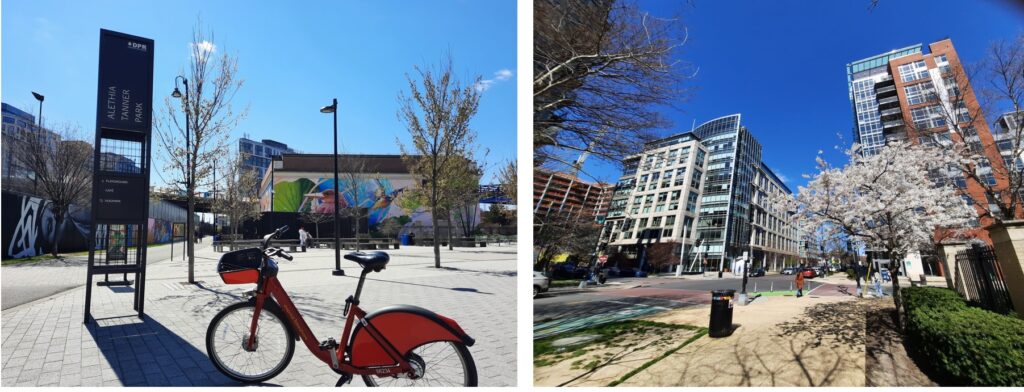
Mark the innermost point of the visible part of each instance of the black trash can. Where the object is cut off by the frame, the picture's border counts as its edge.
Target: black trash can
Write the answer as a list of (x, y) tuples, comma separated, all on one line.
[(721, 313)]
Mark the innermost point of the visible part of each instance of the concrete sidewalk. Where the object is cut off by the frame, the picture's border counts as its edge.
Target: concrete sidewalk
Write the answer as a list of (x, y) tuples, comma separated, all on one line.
[(774, 344), (27, 282), (46, 344)]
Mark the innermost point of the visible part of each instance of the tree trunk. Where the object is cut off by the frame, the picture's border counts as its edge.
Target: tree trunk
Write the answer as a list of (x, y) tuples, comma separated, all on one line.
[(897, 296), (190, 232), (451, 245), (58, 217), (437, 242)]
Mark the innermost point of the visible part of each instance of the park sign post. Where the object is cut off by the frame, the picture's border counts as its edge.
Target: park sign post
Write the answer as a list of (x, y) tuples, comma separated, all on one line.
[(121, 163)]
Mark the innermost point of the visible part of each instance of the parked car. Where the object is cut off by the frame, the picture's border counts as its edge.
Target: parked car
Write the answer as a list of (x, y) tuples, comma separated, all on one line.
[(756, 272), (809, 272), (541, 283), (568, 270), (788, 271)]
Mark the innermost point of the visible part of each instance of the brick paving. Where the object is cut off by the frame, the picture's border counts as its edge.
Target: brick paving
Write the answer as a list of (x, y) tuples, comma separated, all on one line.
[(45, 343)]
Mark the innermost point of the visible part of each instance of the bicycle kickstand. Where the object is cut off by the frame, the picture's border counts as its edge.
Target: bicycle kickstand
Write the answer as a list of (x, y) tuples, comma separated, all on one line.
[(344, 379)]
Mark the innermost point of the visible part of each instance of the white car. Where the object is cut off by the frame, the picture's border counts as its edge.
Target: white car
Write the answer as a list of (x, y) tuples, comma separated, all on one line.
[(540, 283)]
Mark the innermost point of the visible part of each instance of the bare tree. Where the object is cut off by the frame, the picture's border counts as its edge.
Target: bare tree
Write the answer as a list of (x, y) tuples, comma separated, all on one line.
[(954, 111), (315, 218), (208, 119), (357, 181), (507, 179), (460, 195), (62, 166), (564, 232), (240, 198), (437, 115), (601, 70)]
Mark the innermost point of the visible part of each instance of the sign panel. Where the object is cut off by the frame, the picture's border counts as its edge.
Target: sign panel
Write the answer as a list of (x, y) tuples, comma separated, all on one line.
[(121, 197), (125, 82), (121, 161)]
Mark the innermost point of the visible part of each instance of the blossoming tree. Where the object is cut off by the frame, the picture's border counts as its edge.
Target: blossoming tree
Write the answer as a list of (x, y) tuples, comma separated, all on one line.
[(893, 201)]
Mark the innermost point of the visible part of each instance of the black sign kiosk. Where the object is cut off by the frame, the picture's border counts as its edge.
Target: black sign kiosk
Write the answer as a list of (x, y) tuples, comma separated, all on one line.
[(120, 187)]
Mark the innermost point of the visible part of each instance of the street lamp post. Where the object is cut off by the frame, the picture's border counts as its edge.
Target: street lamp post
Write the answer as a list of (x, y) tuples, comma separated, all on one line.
[(39, 129), (189, 231), (337, 241)]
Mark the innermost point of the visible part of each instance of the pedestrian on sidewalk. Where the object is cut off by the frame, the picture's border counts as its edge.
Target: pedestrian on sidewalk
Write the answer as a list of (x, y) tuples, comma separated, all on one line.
[(799, 284), (878, 284), (303, 238)]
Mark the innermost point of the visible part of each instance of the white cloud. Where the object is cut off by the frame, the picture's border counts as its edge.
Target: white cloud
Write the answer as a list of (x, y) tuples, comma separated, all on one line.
[(782, 177), (501, 75), (203, 49)]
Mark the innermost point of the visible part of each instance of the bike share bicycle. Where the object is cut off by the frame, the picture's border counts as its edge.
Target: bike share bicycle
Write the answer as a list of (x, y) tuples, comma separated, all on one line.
[(253, 341)]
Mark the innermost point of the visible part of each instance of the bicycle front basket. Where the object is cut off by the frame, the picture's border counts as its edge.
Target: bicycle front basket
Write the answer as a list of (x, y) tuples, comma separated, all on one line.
[(240, 266)]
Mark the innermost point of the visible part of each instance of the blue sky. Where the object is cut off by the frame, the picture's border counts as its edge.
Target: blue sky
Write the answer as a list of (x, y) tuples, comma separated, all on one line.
[(293, 56), (782, 64)]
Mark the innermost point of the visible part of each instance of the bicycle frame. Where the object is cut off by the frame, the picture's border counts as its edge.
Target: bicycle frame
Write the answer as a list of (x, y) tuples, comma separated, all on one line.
[(334, 358)]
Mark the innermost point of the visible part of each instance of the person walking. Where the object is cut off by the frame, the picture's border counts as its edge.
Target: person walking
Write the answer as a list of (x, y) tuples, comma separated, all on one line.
[(303, 238), (799, 284)]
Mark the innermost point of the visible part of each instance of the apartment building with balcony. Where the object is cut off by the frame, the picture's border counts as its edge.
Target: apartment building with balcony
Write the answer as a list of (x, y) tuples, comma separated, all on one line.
[(904, 94), (563, 192)]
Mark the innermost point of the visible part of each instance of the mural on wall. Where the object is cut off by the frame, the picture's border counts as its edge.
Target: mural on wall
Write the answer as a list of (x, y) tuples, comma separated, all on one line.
[(159, 231), (30, 227), (379, 196)]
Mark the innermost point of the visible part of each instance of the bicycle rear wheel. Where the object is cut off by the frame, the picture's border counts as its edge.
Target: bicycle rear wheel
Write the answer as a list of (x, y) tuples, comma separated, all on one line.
[(439, 364), (227, 337)]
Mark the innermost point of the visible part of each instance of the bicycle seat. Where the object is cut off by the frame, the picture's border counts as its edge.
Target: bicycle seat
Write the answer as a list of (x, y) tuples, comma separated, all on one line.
[(373, 260)]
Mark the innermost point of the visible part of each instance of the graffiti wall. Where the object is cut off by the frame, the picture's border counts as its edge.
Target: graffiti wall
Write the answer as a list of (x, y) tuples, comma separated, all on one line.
[(29, 227), (382, 198)]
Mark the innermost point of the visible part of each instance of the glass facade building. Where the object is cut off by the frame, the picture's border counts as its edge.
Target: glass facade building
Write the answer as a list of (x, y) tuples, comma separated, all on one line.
[(734, 156), (256, 155)]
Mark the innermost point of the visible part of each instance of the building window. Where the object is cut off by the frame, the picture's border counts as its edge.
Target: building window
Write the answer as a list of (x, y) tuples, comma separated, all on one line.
[(919, 93), (691, 204), (667, 233), (642, 224), (670, 220), (656, 222)]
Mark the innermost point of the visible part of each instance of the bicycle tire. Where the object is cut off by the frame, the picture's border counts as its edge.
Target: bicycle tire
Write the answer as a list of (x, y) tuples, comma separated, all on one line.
[(469, 367), (270, 309)]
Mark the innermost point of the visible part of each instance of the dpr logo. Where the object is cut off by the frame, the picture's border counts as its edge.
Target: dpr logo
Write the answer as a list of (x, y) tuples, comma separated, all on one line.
[(137, 46)]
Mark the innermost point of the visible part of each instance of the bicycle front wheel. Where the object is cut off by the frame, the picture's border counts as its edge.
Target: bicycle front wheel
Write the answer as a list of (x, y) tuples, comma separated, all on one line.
[(227, 343), (437, 364)]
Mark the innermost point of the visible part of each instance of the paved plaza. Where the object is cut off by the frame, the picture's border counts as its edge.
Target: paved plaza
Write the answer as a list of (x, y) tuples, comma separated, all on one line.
[(45, 342)]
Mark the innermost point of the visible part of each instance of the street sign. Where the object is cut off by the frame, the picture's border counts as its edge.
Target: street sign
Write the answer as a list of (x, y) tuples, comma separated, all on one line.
[(602, 259), (121, 162)]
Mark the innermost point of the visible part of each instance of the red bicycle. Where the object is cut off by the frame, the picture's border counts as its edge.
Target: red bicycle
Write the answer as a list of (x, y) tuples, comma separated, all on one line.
[(403, 345)]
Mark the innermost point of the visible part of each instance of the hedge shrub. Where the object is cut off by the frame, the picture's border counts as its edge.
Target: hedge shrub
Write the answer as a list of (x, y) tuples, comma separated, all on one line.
[(964, 345)]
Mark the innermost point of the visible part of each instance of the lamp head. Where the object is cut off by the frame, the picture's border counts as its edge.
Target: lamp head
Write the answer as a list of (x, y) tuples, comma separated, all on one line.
[(176, 93), (39, 97), (329, 108)]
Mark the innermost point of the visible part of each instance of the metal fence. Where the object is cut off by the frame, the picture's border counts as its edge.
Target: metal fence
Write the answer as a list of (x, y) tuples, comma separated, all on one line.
[(979, 279)]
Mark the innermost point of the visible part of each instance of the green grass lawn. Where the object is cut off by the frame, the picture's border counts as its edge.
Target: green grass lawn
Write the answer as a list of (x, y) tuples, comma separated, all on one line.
[(565, 283), (619, 333), (33, 259)]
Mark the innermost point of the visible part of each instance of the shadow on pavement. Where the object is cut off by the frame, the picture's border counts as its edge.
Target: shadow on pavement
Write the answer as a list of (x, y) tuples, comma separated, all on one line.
[(507, 274), (142, 352)]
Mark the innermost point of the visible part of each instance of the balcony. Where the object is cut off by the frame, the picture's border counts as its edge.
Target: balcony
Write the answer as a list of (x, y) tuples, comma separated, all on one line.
[(888, 101), (889, 112), (892, 124), (885, 91)]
